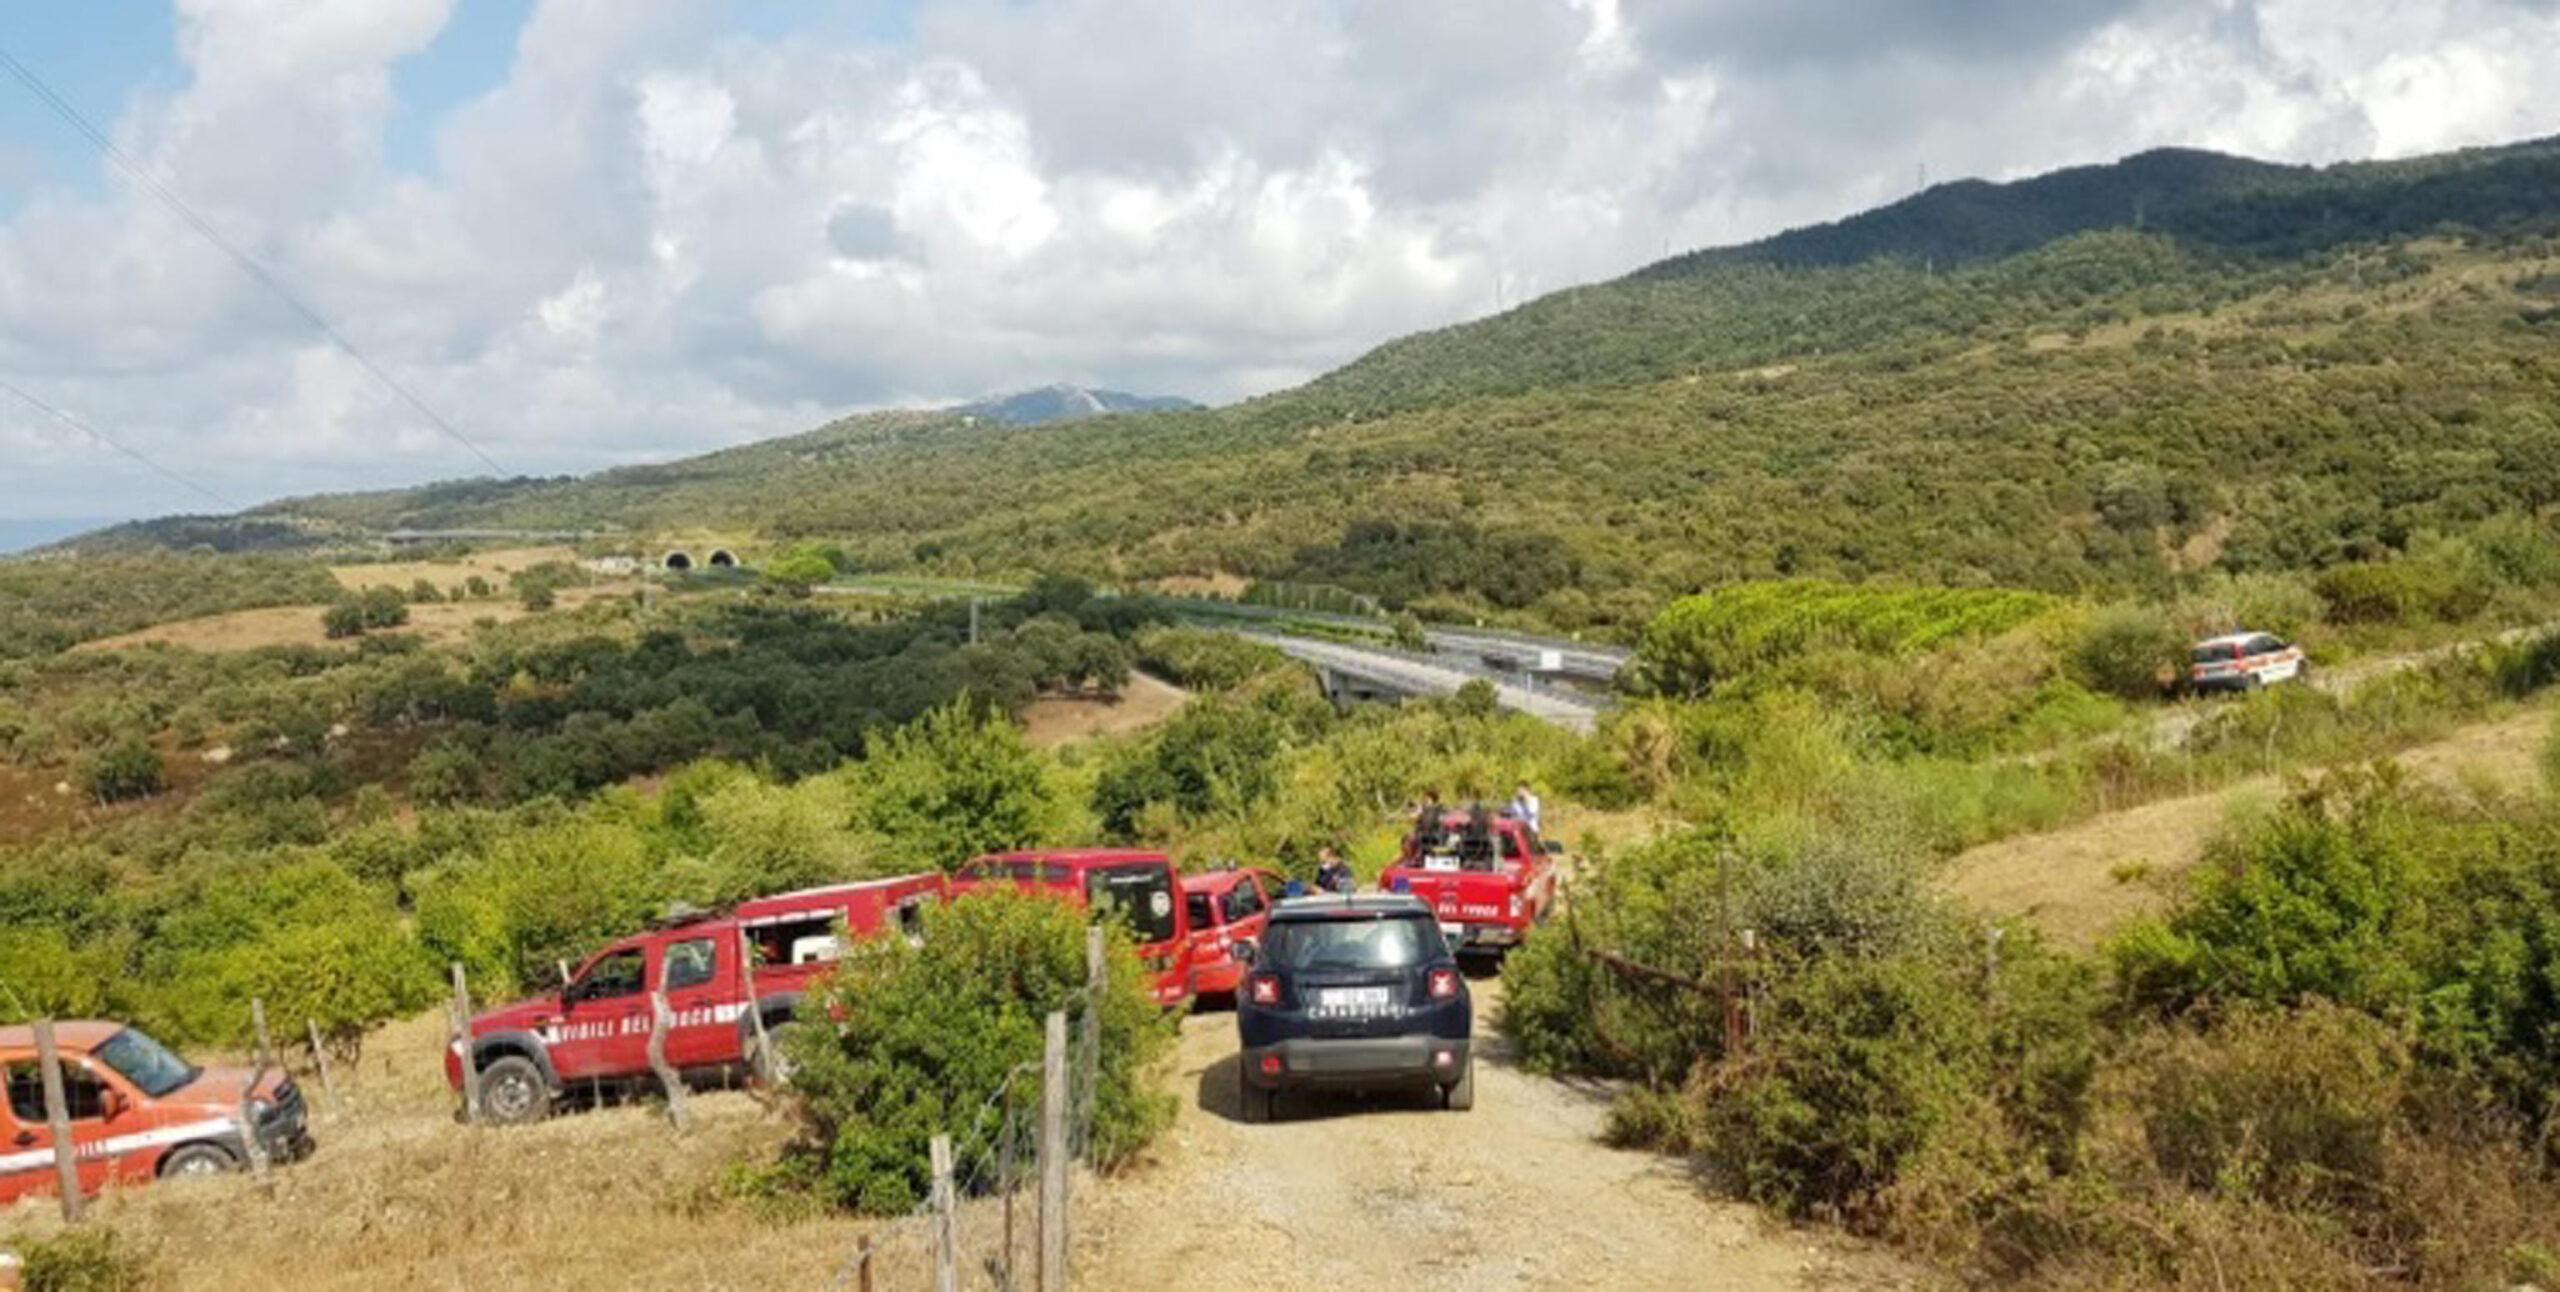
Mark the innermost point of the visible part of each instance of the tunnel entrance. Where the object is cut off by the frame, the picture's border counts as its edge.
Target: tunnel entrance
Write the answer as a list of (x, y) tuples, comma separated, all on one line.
[(723, 559), (679, 561)]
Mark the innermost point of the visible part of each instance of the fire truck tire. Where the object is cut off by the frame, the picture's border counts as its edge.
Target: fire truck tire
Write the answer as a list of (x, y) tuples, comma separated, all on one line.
[(513, 1093), (1460, 1096), (190, 1160), (1256, 1106), (775, 1034)]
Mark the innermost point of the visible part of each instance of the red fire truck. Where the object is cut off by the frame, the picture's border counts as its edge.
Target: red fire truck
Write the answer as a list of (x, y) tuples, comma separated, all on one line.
[(1225, 907), (1140, 887), (593, 1034)]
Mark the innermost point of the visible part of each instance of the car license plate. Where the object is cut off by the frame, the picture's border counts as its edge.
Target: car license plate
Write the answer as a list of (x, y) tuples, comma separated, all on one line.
[(1351, 1000), (1440, 861)]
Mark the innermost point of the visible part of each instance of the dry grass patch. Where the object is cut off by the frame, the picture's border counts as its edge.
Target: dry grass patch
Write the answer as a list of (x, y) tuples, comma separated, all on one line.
[(493, 566), (401, 1195), (1058, 720), (2081, 881), (440, 624)]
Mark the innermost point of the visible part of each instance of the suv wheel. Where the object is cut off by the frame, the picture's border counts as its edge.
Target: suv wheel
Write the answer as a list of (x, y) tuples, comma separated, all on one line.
[(1460, 1095), (194, 1160), (513, 1093), (1255, 1104)]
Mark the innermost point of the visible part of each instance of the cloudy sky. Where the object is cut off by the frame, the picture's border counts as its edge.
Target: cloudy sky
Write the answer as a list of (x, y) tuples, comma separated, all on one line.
[(589, 232)]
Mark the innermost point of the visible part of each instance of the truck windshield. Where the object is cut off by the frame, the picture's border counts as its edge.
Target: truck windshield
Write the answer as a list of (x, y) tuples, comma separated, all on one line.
[(149, 1065), (1398, 942), (1142, 893)]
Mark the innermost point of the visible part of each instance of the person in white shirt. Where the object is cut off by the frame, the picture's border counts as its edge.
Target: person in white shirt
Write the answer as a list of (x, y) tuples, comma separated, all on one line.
[(1524, 807)]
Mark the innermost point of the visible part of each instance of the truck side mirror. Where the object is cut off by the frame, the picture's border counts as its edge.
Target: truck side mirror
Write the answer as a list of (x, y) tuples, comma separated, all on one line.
[(112, 1103), (1552, 847), (1244, 952)]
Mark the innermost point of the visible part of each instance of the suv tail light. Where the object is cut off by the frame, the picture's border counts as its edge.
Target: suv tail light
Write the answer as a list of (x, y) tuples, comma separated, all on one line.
[(1263, 989), (1444, 984)]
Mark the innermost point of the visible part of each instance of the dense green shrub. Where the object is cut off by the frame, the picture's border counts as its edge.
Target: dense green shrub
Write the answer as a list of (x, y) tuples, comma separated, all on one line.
[(1221, 754), (2405, 591), (540, 896), (798, 572), (1203, 659), (343, 619), (1672, 904), (2294, 1108), (85, 1258), (905, 1041), (2375, 896), (952, 785), (2129, 652), (1863, 1065), (1703, 641), (129, 768)]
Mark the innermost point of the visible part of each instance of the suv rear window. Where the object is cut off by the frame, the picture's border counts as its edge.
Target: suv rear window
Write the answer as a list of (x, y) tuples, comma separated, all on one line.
[(1395, 942), (2216, 653)]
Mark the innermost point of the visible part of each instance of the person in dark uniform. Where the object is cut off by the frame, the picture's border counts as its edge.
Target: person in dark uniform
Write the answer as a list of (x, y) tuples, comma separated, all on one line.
[(1333, 874)]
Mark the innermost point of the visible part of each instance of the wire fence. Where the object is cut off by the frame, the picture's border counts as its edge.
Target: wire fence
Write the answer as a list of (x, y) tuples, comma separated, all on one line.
[(1000, 1213)]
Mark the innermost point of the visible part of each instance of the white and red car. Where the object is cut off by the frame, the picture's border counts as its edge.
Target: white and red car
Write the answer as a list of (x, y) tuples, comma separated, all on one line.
[(2244, 662)]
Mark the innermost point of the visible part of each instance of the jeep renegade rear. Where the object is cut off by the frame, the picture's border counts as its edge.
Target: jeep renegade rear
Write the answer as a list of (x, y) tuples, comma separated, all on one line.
[(1353, 993)]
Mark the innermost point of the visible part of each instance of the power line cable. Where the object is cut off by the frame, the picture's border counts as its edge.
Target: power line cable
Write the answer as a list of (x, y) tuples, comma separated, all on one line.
[(248, 264), (103, 438)]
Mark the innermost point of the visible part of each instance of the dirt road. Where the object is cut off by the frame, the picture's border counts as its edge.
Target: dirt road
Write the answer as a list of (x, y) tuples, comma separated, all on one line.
[(1393, 1193)]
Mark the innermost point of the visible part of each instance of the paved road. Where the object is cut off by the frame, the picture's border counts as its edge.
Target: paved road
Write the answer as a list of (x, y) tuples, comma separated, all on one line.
[(1416, 675), (1577, 659)]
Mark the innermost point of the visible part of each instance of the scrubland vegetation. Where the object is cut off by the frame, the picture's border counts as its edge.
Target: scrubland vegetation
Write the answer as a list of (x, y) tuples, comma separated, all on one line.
[(1912, 520), (49, 606)]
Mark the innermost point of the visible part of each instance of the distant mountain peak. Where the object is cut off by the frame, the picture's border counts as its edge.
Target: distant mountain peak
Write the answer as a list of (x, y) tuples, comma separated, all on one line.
[(1065, 402)]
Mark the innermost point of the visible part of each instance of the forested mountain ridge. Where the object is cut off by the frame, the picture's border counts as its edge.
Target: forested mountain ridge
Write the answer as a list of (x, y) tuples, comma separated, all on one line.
[(2110, 409)]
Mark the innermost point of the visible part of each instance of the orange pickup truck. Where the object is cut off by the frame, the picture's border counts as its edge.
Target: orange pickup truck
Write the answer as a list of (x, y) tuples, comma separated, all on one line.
[(138, 1111)]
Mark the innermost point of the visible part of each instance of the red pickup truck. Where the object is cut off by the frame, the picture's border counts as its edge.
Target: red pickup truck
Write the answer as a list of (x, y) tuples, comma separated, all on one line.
[(1488, 879), (593, 1034)]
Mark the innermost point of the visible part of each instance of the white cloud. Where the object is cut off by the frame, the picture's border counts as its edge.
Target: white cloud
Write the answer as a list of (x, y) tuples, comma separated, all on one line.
[(653, 237)]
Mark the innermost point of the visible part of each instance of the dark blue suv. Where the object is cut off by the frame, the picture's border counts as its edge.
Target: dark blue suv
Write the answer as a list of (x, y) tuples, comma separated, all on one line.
[(1353, 993)]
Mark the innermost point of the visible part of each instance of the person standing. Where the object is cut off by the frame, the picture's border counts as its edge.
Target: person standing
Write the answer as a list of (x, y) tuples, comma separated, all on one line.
[(1525, 807), (1333, 874)]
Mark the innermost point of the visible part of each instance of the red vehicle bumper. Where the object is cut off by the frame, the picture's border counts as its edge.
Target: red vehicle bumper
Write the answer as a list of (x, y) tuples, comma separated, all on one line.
[(1218, 978)]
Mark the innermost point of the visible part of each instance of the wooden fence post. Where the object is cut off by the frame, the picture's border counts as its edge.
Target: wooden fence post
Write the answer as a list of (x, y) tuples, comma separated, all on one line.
[(1750, 986), (862, 1265), (251, 1142), (660, 1020), (1089, 1039), (946, 1229), (320, 1060), (1053, 1155), (57, 1116), (1005, 1183), (462, 1038)]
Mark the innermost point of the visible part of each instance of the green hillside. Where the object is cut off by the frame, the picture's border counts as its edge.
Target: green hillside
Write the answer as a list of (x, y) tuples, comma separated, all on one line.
[(2281, 368)]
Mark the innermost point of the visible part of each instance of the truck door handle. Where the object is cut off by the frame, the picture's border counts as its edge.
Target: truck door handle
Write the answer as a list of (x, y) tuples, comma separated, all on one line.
[(25, 1138)]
